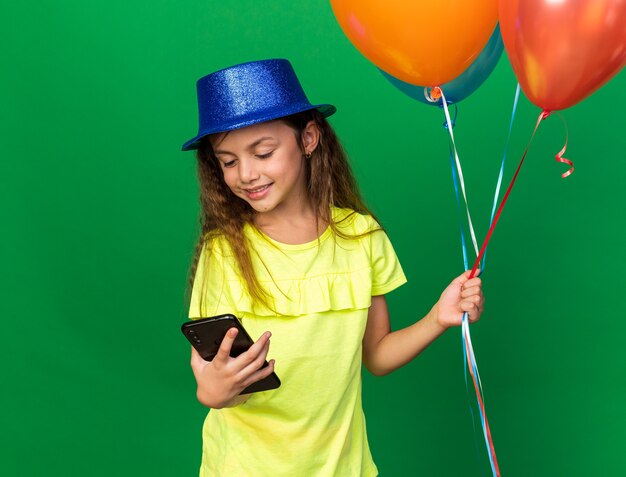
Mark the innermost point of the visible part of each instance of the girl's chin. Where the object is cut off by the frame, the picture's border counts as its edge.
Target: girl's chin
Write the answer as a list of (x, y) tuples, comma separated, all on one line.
[(262, 208)]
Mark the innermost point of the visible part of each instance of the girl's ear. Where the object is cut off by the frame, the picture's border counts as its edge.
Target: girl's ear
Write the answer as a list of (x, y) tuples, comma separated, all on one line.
[(310, 137)]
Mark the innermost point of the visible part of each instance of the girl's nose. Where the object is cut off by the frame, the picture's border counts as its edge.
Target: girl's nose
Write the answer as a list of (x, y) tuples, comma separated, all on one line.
[(247, 170)]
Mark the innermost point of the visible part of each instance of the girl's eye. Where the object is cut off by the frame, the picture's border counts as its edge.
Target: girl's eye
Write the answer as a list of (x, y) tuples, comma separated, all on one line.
[(267, 155), (228, 164)]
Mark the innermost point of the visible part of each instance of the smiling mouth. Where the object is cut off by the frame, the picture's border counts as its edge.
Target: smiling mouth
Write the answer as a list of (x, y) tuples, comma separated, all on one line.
[(257, 193), (257, 190)]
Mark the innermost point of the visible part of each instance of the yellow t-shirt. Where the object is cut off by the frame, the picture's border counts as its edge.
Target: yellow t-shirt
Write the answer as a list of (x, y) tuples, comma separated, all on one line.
[(313, 425)]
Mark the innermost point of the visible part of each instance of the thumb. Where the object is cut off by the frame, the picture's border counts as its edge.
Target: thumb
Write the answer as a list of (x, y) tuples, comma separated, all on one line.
[(462, 278), (197, 362), (467, 274)]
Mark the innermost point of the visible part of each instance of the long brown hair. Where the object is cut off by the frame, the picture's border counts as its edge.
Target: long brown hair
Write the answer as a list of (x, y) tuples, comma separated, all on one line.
[(330, 182)]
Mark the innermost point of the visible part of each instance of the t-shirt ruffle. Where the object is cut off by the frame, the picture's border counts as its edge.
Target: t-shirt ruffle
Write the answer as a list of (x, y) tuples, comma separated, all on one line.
[(309, 295)]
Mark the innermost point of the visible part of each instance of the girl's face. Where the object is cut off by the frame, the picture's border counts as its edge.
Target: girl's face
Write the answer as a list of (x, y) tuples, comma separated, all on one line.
[(263, 164)]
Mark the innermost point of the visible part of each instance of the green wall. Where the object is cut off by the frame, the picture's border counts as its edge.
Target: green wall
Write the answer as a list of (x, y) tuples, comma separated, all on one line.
[(99, 214)]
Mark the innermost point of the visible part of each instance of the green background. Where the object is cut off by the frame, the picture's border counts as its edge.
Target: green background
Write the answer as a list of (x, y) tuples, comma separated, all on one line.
[(99, 218)]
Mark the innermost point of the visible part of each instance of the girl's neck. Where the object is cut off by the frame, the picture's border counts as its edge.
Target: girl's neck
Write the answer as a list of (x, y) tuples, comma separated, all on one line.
[(296, 226)]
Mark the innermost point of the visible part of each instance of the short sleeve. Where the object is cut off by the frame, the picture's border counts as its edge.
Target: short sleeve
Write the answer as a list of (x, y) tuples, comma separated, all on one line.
[(207, 295), (387, 273)]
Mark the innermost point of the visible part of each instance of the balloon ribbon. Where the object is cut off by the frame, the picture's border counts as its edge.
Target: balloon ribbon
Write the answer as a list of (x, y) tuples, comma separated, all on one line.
[(468, 352)]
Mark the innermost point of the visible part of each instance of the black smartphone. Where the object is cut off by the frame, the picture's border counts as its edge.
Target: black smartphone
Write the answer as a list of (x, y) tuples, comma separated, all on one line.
[(206, 335)]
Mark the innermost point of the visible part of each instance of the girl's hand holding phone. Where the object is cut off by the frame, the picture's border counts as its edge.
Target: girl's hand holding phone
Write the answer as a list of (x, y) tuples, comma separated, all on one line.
[(462, 295), (221, 380)]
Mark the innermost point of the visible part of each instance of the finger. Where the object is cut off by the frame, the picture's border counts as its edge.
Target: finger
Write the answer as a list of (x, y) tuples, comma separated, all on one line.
[(258, 349), (197, 362), (471, 291), (223, 353), (472, 309), (473, 299), (468, 306), (258, 361), (260, 374), (196, 359), (473, 282)]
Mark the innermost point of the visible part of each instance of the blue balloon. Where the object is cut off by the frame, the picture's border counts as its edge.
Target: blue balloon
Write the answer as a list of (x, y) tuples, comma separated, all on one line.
[(464, 84)]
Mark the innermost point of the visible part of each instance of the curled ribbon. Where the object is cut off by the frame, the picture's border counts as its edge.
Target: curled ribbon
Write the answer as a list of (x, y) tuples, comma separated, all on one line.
[(559, 156)]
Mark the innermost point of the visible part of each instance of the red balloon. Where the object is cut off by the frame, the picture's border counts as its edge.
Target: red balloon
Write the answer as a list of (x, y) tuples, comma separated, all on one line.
[(563, 50)]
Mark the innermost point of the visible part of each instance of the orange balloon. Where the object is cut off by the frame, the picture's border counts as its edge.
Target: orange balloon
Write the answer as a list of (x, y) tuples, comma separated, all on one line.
[(426, 43), (563, 50)]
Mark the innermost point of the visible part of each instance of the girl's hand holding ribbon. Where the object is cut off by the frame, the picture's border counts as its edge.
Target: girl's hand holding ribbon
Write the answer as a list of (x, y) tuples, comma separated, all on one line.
[(464, 294)]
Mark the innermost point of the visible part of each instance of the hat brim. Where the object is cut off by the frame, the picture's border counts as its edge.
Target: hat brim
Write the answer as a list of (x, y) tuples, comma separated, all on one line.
[(325, 109)]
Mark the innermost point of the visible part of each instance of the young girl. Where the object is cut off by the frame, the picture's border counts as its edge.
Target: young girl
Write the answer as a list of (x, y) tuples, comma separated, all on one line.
[(289, 248)]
